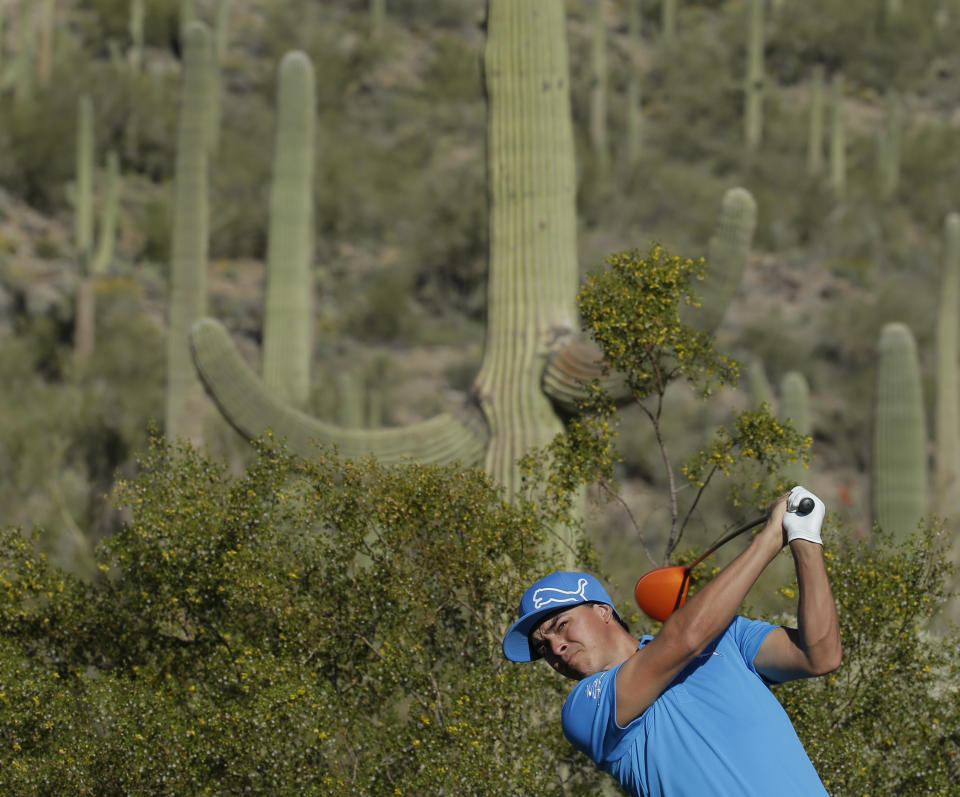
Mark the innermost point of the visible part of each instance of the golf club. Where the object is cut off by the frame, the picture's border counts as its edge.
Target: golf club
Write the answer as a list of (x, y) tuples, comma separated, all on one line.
[(660, 592)]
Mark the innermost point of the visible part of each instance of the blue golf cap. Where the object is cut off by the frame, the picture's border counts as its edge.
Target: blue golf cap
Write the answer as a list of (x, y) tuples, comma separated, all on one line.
[(558, 591)]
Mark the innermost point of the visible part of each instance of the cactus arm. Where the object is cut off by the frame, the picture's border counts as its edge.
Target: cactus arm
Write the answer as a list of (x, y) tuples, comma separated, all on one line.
[(899, 483), (288, 314), (251, 407), (570, 368)]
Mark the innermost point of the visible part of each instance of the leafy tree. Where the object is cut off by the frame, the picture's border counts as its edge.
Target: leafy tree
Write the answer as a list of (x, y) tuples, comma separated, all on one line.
[(320, 627), (632, 309)]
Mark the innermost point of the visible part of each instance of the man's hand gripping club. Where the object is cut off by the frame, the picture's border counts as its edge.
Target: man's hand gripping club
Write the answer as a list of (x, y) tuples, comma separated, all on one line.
[(800, 525)]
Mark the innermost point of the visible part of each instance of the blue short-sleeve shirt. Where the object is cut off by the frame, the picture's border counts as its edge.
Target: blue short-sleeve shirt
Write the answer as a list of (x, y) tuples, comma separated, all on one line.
[(717, 729)]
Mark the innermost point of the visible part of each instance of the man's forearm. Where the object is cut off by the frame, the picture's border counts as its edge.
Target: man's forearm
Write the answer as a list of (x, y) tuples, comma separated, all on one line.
[(710, 610), (818, 628)]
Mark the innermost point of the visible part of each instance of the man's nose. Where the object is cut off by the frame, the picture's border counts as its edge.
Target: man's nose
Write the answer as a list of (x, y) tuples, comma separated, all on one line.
[(558, 646)]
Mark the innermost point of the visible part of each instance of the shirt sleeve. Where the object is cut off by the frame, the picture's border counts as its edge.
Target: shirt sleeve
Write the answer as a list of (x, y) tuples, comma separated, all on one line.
[(588, 712), (748, 635)]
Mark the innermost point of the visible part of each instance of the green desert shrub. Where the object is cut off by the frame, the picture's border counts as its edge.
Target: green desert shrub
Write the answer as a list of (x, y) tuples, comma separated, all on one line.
[(308, 627), (885, 722)]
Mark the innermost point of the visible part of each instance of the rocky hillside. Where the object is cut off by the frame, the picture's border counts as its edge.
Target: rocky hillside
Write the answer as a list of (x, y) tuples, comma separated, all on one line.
[(400, 216)]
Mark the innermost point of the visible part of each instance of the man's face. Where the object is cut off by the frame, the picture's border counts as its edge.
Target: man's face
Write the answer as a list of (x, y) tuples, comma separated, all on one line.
[(571, 641)]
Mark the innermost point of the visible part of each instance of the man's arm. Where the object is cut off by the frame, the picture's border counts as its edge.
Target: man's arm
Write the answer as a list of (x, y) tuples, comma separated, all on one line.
[(650, 670), (813, 647)]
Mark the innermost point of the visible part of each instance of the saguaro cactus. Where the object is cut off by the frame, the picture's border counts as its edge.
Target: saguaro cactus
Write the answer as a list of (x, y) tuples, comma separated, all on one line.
[(899, 484), (761, 392), (795, 407), (83, 187), (378, 17), (136, 27), (838, 138), (533, 274), (726, 257), (634, 114), (668, 19), (598, 92), (815, 134), (221, 35), (888, 147), (188, 267), (533, 248), (947, 432), (85, 310), (46, 29), (753, 85), (288, 315), (532, 285), (107, 234)]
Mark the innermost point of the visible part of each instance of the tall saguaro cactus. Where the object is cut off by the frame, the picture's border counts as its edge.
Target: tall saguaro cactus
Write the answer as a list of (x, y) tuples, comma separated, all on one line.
[(899, 484), (533, 247), (188, 267), (288, 317), (532, 284), (947, 431)]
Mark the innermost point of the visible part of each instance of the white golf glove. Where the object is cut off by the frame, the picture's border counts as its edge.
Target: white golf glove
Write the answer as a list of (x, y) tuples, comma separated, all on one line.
[(803, 527)]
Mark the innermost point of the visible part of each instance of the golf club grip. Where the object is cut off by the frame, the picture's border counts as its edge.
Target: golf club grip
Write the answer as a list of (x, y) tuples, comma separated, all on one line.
[(806, 506)]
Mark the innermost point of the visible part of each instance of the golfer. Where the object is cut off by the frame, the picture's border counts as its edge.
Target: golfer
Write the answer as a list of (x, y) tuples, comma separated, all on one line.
[(690, 712)]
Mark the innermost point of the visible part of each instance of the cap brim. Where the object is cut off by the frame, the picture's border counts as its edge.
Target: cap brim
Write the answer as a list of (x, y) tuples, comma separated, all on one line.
[(516, 642)]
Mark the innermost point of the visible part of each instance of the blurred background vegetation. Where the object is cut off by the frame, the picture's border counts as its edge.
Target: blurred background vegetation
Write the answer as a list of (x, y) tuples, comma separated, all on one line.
[(401, 217)]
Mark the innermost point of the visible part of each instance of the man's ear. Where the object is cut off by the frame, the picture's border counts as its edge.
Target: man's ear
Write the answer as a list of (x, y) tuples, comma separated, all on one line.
[(606, 611)]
